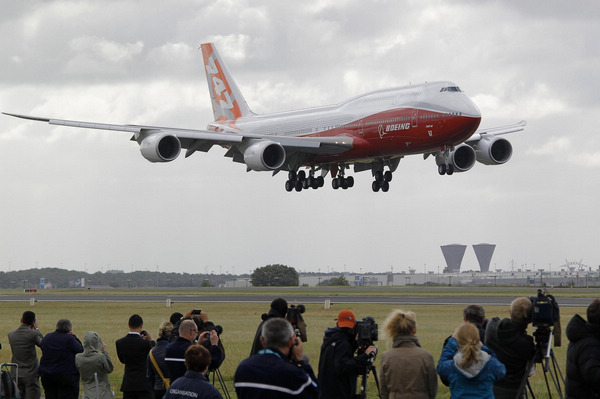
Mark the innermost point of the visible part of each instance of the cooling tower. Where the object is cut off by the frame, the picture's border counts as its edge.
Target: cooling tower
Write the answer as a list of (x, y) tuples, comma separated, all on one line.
[(454, 255), (484, 254)]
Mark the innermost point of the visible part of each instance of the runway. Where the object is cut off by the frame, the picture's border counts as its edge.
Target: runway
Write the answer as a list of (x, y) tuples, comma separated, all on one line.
[(291, 297)]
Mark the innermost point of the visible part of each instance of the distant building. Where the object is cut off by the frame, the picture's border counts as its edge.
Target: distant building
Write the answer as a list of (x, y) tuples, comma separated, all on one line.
[(453, 254), (484, 254)]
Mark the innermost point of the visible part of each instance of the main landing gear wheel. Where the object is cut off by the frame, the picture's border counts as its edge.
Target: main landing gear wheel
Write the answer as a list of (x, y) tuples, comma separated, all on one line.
[(342, 182), (299, 181), (383, 186), (382, 180), (446, 170)]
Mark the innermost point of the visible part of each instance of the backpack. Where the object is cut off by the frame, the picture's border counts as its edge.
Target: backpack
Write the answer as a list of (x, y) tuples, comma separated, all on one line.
[(8, 388)]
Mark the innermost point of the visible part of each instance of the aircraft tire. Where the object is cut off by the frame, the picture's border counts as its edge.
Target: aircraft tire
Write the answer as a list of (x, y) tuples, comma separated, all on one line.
[(350, 181), (289, 185), (301, 175), (442, 169), (375, 186), (450, 170), (298, 185), (379, 176), (320, 181), (292, 175), (335, 183), (387, 176), (385, 186)]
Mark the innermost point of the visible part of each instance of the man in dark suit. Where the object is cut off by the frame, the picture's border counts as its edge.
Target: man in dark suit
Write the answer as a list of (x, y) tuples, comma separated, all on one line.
[(132, 351)]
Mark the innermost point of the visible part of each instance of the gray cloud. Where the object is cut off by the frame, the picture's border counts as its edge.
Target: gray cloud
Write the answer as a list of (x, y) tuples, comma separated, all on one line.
[(88, 199)]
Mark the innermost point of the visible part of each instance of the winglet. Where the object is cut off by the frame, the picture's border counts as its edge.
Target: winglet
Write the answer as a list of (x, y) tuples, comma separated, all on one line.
[(227, 100), (32, 118)]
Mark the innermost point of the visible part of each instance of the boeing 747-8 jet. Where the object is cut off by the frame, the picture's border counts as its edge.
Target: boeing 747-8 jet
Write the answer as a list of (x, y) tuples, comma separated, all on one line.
[(373, 131)]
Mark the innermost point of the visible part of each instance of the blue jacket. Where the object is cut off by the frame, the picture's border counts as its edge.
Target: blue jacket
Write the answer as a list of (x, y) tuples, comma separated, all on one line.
[(58, 354), (175, 357), (192, 385), (270, 375), (477, 381)]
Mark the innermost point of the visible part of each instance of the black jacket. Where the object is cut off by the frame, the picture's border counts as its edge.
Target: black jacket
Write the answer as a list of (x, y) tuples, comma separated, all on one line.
[(338, 367), (583, 359), (270, 375), (513, 347), (132, 351), (256, 344), (151, 373)]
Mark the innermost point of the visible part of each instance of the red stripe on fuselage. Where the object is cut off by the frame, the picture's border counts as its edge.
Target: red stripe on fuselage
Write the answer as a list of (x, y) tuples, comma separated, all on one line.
[(399, 132)]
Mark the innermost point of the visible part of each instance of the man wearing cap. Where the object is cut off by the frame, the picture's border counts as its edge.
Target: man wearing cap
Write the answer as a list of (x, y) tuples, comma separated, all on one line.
[(338, 367)]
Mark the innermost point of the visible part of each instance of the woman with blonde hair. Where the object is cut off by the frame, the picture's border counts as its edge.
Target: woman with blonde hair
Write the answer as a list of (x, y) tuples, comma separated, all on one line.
[(407, 370), (469, 366)]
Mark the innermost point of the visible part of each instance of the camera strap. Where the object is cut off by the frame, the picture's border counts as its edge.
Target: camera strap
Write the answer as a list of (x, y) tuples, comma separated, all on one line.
[(166, 381)]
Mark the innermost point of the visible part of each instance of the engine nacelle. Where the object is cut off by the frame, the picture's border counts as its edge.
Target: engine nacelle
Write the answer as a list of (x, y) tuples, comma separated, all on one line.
[(493, 150), (160, 147), (462, 158), (264, 155)]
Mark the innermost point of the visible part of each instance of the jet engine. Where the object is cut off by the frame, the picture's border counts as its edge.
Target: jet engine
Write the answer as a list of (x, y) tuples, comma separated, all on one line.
[(264, 155), (160, 147), (493, 150), (462, 158)]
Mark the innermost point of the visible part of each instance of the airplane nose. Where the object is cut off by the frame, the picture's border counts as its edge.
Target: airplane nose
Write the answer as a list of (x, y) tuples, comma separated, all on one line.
[(468, 108)]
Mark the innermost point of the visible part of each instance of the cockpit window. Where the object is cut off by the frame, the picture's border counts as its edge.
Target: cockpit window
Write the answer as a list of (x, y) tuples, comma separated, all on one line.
[(451, 88)]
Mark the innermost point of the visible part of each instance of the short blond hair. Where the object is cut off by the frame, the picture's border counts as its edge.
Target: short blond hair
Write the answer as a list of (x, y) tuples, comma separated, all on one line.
[(400, 323), (520, 310)]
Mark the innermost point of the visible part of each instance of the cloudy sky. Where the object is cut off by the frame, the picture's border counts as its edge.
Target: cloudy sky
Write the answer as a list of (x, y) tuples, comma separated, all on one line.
[(87, 200)]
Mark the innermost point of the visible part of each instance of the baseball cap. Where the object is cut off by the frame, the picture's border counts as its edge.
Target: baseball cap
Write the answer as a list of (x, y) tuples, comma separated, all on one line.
[(346, 319)]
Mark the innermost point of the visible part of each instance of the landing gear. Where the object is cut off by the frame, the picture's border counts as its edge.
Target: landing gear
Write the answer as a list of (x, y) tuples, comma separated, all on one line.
[(298, 181), (446, 170), (444, 160), (341, 181), (382, 180)]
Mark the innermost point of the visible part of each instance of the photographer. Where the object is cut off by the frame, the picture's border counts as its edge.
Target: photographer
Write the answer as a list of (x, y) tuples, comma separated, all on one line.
[(583, 354), (514, 348), (338, 367), (22, 342), (279, 308), (277, 371)]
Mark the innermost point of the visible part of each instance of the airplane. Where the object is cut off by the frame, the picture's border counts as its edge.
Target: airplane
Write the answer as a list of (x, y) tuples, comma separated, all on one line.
[(372, 131)]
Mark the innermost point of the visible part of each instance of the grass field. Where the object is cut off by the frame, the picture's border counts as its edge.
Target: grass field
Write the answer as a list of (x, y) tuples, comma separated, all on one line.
[(239, 323)]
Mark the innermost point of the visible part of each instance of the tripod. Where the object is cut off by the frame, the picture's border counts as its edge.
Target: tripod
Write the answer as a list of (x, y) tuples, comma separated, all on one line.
[(217, 373), (370, 367), (545, 356)]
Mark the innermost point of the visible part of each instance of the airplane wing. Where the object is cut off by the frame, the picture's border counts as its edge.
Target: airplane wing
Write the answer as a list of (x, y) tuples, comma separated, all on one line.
[(496, 131), (202, 140)]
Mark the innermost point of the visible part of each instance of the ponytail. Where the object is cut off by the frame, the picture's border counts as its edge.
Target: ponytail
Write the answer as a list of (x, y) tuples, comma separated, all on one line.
[(468, 342)]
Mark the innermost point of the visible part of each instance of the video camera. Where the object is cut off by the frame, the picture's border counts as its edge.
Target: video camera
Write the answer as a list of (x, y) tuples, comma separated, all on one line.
[(366, 332), (294, 316), (545, 315)]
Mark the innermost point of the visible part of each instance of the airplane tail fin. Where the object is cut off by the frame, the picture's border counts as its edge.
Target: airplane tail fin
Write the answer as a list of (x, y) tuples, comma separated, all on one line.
[(227, 100)]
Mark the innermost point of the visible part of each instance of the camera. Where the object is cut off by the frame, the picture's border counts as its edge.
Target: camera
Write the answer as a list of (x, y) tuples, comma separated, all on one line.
[(143, 333), (545, 311), (545, 314), (294, 316), (208, 327), (366, 332), (196, 311)]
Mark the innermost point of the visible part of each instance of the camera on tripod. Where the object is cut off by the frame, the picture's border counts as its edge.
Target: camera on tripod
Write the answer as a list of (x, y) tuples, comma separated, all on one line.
[(366, 332), (545, 315), (294, 316)]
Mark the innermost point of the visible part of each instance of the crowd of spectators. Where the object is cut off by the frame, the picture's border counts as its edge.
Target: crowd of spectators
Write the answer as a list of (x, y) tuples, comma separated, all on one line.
[(482, 358)]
